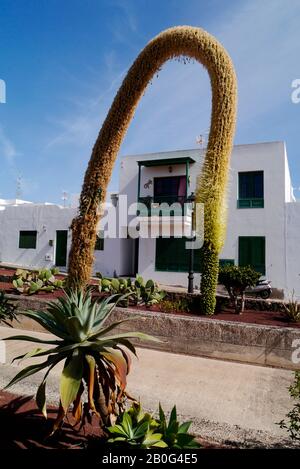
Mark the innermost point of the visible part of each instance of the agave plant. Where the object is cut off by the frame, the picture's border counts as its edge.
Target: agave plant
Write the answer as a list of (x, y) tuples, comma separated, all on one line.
[(175, 434), (92, 358), (7, 310), (136, 428), (142, 430)]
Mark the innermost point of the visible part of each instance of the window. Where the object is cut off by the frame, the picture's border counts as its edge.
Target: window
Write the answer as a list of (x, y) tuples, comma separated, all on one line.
[(170, 189), (251, 189), (27, 240), (224, 262), (99, 245), (172, 256), (252, 252)]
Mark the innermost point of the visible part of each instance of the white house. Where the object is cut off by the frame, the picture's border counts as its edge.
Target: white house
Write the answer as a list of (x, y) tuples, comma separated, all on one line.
[(34, 235), (262, 228)]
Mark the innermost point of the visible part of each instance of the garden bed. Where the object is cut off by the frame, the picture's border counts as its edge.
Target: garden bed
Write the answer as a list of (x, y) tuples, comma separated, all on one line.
[(254, 315), (267, 318), (24, 427), (261, 336)]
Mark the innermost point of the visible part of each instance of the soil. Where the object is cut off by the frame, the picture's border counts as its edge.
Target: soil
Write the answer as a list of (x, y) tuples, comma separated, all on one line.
[(24, 427), (267, 318)]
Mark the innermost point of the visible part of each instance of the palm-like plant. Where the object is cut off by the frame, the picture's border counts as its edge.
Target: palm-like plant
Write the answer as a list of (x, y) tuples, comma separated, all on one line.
[(91, 356)]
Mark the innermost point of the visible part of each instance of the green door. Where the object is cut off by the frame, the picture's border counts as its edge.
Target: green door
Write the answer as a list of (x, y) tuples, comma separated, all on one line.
[(61, 248), (172, 256), (252, 251)]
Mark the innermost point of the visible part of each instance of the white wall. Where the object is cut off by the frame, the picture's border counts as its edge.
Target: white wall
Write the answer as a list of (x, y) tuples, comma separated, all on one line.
[(278, 221), (268, 221), (289, 193), (292, 247), (45, 219), (108, 261)]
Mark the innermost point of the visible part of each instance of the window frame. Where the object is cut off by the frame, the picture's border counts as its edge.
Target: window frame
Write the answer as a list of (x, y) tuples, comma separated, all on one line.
[(24, 243), (252, 201), (169, 198)]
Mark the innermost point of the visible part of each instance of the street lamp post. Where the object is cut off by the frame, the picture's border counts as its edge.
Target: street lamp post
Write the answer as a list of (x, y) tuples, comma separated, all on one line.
[(191, 199)]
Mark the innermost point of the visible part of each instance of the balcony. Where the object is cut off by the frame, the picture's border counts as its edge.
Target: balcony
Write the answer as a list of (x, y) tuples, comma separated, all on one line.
[(168, 211), (164, 199), (168, 205)]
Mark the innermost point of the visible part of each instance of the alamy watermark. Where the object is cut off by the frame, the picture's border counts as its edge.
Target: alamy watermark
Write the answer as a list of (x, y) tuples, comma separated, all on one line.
[(2, 92), (2, 352), (152, 220), (295, 95), (296, 352)]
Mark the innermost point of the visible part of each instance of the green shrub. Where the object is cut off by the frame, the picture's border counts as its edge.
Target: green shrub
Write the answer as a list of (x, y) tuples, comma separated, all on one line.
[(236, 279), (179, 305), (137, 428), (292, 309), (292, 425)]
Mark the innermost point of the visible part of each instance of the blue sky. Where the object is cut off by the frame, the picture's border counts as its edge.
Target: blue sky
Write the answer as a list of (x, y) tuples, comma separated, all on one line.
[(63, 61)]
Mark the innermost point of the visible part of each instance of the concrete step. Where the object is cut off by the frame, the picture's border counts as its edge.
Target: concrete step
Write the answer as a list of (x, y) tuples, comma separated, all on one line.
[(228, 402)]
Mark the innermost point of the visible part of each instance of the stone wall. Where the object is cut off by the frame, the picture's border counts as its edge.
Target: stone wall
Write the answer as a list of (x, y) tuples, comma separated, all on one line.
[(200, 336)]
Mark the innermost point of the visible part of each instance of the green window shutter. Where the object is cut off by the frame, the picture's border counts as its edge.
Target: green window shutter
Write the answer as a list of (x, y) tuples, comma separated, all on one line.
[(99, 245), (172, 256), (27, 239), (252, 251), (251, 189)]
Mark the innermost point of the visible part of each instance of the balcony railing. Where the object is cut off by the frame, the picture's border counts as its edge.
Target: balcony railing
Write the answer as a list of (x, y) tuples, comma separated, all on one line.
[(250, 203), (167, 205)]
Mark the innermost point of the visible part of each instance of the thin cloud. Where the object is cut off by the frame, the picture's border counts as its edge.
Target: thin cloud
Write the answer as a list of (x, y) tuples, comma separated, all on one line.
[(82, 125)]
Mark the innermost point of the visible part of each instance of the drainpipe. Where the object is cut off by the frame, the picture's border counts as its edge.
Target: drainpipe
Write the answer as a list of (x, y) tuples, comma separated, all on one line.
[(139, 182), (285, 249)]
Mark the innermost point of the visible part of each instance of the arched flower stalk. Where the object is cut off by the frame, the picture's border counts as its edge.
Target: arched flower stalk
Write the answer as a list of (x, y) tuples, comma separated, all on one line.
[(211, 185)]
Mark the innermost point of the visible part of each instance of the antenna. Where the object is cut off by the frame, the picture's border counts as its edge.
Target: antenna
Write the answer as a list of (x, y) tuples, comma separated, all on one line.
[(201, 139), (65, 197), (19, 187)]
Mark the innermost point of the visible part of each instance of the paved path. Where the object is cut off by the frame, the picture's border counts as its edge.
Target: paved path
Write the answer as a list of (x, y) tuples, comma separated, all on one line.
[(226, 401)]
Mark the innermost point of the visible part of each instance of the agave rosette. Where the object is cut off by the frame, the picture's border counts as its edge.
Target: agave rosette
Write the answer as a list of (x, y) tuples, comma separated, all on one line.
[(94, 358)]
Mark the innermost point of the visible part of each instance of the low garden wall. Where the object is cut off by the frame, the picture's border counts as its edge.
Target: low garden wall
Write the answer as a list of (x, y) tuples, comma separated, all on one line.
[(223, 301), (199, 336)]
